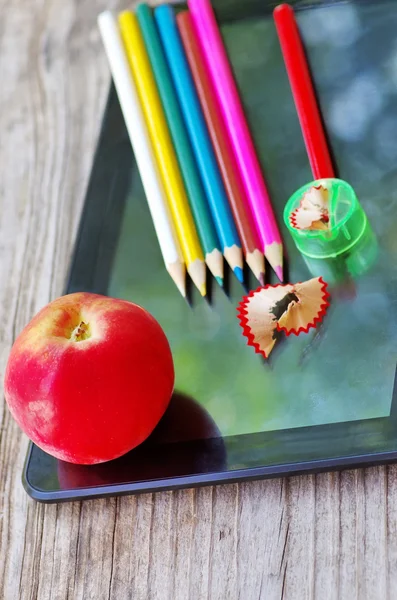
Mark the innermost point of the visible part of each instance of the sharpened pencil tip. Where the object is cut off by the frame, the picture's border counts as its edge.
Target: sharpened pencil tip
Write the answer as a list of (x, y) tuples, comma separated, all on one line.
[(279, 273), (197, 272), (261, 279), (214, 261), (274, 254), (178, 274), (239, 274)]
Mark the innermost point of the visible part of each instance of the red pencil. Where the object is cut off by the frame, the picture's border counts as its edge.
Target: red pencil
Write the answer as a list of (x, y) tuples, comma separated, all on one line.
[(303, 92)]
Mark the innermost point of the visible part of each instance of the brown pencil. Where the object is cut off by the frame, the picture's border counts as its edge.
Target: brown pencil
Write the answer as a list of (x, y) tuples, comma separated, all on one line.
[(234, 187)]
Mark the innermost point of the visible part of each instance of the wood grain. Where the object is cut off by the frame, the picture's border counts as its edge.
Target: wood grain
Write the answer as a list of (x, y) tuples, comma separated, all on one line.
[(332, 536)]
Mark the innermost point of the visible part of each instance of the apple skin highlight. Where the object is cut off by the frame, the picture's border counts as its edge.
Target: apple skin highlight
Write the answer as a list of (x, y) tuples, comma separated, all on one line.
[(89, 378)]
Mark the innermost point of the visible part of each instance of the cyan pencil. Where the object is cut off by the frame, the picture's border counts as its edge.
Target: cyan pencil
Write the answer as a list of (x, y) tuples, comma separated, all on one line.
[(199, 138)]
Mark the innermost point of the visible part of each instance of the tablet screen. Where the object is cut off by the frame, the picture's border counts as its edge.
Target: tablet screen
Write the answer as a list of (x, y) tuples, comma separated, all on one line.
[(344, 370)]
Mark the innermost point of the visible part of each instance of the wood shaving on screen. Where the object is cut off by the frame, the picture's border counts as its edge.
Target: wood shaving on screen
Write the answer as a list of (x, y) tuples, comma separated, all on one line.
[(292, 309)]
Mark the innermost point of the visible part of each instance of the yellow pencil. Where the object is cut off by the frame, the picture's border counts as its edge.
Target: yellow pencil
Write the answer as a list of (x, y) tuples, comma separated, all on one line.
[(164, 150)]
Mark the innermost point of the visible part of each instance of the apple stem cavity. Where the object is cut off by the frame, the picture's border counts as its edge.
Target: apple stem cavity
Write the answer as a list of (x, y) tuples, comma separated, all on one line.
[(81, 332)]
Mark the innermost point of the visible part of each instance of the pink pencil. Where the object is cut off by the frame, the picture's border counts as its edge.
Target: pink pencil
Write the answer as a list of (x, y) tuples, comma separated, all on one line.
[(239, 134)]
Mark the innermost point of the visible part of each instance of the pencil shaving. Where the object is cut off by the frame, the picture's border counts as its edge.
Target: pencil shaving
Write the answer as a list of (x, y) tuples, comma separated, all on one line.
[(308, 219), (316, 196), (309, 308), (257, 319), (288, 308), (312, 213)]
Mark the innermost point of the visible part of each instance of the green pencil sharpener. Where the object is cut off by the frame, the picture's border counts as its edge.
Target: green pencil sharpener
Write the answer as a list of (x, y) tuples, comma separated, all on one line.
[(347, 246)]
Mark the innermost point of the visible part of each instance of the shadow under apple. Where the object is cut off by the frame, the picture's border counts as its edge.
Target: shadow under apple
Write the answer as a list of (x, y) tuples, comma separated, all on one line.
[(186, 441)]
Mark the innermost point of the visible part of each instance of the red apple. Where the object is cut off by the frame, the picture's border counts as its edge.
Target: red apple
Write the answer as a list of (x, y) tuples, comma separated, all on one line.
[(182, 444), (89, 378)]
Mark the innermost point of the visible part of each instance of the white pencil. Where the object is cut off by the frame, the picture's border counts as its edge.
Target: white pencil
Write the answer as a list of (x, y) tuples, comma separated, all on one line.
[(143, 150)]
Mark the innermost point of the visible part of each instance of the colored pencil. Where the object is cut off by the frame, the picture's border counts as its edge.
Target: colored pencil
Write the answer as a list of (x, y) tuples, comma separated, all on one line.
[(303, 92), (187, 163), (140, 141), (199, 138), (239, 134), (226, 161), (164, 150)]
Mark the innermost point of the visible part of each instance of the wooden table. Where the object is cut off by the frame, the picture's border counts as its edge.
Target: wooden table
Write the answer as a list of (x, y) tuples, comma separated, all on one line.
[(326, 536)]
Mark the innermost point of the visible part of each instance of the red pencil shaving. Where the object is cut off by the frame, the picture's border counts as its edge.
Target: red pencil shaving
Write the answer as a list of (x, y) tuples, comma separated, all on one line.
[(302, 306), (313, 211), (303, 92), (309, 308)]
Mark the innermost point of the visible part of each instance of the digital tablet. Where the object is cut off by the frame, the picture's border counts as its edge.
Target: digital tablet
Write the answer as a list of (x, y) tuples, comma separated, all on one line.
[(323, 400)]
